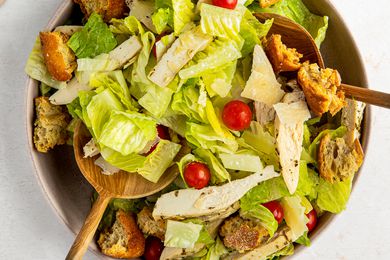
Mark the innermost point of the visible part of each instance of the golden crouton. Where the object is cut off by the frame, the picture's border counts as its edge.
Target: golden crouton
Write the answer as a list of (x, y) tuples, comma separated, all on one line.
[(321, 89), (50, 125), (281, 57), (124, 239), (337, 161), (59, 58), (149, 225), (108, 9), (267, 3)]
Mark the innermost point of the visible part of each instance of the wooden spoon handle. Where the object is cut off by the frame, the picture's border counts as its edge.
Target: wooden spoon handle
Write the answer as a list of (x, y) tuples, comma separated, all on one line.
[(80, 245), (367, 95)]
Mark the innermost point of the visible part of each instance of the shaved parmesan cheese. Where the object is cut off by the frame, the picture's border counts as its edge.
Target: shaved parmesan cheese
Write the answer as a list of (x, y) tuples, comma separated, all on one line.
[(192, 203), (289, 138), (294, 215), (262, 85), (178, 55), (67, 95)]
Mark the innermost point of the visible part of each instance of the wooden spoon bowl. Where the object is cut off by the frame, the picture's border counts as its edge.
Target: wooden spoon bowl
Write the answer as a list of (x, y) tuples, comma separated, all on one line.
[(120, 185)]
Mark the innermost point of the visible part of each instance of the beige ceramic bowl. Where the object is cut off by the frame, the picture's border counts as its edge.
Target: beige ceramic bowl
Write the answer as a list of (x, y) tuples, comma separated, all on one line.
[(69, 193)]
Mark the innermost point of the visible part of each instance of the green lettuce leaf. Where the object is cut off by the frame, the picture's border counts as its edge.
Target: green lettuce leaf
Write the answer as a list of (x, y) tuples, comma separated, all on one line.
[(218, 54), (128, 132), (159, 160), (214, 117), (204, 236), (95, 38), (252, 31), (253, 209), (181, 234), (175, 122), (219, 82), (218, 173), (183, 13), (183, 163), (216, 251), (303, 240), (156, 100), (241, 162), (205, 137), (287, 250), (297, 11), (36, 68), (162, 18), (128, 26), (308, 181), (129, 163), (221, 22), (333, 197)]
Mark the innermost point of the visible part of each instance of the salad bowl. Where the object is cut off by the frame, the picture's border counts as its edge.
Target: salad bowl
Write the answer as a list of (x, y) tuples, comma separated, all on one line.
[(69, 193)]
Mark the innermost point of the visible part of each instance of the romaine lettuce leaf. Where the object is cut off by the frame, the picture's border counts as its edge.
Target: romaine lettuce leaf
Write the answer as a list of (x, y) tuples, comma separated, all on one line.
[(205, 137), (333, 197), (297, 11), (303, 240), (128, 132), (95, 38), (252, 31), (241, 162), (214, 118), (216, 251), (128, 26), (308, 181), (219, 82), (129, 163), (175, 122), (218, 54), (36, 68), (253, 209), (159, 160), (183, 163), (221, 22), (218, 173), (183, 13), (162, 18), (287, 250), (156, 100), (181, 234)]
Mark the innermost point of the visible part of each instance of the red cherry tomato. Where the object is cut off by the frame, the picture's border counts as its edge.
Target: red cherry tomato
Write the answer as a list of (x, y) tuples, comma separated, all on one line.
[(197, 175), (276, 209), (237, 115), (163, 133), (153, 248), (229, 4), (312, 216)]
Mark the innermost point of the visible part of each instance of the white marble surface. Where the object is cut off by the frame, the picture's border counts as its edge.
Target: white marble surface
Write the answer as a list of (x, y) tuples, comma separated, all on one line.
[(29, 229)]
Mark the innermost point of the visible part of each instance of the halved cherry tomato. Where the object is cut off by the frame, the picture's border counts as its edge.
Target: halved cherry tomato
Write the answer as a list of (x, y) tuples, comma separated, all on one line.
[(237, 115), (163, 133), (276, 209), (153, 248), (229, 4), (197, 175), (312, 223)]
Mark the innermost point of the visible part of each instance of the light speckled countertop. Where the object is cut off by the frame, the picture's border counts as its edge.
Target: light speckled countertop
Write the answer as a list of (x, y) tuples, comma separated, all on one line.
[(29, 227)]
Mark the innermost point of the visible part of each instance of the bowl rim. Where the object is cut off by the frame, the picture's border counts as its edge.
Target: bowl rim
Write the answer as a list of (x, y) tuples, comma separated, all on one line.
[(329, 218)]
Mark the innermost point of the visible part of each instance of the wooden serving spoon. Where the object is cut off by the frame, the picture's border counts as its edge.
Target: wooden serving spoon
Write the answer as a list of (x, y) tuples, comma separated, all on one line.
[(120, 185), (295, 36)]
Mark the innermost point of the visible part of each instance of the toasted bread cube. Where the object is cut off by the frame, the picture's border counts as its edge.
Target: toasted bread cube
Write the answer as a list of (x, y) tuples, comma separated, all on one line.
[(149, 225), (124, 239), (267, 3), (336, 160), (59, 58), (281, 57), (321, 88), (108, 9), (50, 125)]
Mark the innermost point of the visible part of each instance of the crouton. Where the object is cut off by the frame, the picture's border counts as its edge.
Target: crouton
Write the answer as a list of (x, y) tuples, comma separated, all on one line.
[(59, 58), (336, 160), (124, 239), (243, 234), (281, 57), (50, 125), (150, 226), (108, 9), (321, 88), (267, 3)]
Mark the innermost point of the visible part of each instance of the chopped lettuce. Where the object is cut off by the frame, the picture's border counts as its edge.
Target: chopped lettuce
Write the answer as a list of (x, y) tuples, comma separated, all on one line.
[(159, 160), (181, 234), (303, 240), (287, 250), (216, 251), (218, 54), (36, 68), (219, 82), (297, 11), (95, 38), (251, 208), (129, 163), (333, 197), (205, 137), (128, 26), (128, 132), (189, 158), (175, 122), (156, 100), (214, 118), (218, 173), (162, 18), (221, 22), (241, 162), (183, 13), (308, 181)]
